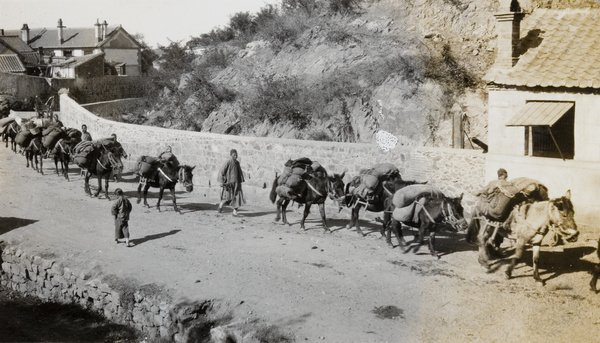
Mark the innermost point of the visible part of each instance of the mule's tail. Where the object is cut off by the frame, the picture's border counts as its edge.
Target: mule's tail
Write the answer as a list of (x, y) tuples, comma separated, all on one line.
[(273, 194)]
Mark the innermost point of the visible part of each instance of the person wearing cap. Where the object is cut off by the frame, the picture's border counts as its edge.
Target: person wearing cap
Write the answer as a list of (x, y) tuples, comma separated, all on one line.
[(492, 185), (231, 178), (118, 148), (121, 209)]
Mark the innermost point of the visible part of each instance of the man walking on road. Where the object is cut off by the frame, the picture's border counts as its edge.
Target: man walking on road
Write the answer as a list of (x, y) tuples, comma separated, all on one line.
[(120, 210)]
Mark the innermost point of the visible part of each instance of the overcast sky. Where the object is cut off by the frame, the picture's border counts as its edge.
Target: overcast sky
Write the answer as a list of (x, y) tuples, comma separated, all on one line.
[(160, 21)]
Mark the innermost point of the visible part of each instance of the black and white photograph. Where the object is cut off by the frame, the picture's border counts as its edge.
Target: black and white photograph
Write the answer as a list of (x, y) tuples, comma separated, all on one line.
[(278, 171)]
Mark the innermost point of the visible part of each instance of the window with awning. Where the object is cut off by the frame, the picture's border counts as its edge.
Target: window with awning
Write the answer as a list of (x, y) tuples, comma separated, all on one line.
[(549, 128)]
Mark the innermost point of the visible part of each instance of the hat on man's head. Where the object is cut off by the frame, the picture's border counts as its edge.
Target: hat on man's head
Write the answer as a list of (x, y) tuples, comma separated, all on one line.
[(232, 151), (502, 171), (118, 191)]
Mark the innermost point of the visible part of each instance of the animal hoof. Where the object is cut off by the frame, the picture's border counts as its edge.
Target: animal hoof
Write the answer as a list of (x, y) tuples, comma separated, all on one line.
[(138, 201)]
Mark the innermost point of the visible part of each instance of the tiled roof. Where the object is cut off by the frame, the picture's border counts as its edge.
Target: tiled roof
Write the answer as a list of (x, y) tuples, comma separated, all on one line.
[(74, 37), (16, 43), (10, 63), (561, 49)]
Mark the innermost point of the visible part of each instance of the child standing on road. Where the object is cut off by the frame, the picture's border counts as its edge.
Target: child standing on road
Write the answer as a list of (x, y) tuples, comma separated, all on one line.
[(120, 210)]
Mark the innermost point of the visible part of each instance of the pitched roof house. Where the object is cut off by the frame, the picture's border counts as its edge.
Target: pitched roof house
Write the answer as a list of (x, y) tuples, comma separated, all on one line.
[(544, 102), (60, 43), (15, 55)]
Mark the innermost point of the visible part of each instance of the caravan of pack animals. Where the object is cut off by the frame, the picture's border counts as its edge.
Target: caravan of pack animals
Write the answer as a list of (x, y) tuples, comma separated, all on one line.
[(518, 210)]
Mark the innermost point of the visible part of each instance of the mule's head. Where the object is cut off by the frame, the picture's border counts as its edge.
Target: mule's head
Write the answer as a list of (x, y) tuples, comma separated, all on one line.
[(454, 213), (336, 191), (562, 216), (114, 161), (186, 177)]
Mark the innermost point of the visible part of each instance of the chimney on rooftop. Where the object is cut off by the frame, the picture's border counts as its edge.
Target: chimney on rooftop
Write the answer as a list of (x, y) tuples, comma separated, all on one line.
[(509, 27), (98, 30), (24, 33), (60, 31), (104, 29)]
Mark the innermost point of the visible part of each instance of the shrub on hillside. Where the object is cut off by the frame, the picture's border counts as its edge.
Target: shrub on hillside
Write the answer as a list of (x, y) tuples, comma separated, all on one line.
[(307, 7), (344, 7), (278, 100)]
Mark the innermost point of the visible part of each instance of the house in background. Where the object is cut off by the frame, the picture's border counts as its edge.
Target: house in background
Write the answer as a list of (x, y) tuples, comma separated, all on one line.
[(16, 56), (544, 102), (80, 67), (61, 44)]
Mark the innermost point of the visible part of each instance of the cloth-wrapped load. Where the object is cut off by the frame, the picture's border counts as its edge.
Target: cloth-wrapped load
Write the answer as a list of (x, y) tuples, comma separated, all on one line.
[(73, 133), (23, 137), (51, 135), (407, 195), (146, 165), (410, 213), (285, 192)]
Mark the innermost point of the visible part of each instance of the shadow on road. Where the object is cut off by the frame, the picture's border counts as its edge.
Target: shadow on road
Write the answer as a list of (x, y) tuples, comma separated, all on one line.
[(552, 263), (145, 239), (10, 223)]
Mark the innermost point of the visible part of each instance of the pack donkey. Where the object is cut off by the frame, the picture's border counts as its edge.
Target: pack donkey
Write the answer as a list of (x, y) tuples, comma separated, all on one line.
[(530, 223), (314, 190), (164, 176), (427, 213), (101, 163)]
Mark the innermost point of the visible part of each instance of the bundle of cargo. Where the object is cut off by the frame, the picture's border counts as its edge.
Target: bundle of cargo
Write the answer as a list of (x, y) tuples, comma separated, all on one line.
[(383, 171), (73, 133), (51, 135), (503, 196), (291, 182), (23, 138), (406, 199), (146, 165), (82, 152), (4, 123)]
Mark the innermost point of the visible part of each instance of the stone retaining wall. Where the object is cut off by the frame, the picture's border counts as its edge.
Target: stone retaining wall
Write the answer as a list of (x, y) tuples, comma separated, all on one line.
[(454, 171), (144, 308)]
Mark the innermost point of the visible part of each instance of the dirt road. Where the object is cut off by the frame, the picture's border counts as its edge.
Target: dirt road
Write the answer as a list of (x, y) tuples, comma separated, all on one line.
[(312, 285)]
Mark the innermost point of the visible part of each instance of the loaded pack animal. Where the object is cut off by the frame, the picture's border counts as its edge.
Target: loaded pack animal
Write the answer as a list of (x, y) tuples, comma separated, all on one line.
[(97, 160), (370, 189), (426, 208), (530, 222), (495, 207), (166, 175), (10, 133), (305, 182), (64, 149), (35, 149)]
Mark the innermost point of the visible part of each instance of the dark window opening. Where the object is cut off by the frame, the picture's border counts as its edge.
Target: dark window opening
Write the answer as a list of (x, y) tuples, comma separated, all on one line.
[(556, 141)]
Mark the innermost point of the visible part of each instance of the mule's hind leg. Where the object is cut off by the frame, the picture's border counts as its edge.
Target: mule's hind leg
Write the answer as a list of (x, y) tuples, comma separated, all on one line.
[(432, 242), (323, 216), (519, 247), (139, 193), (106, 187), (482, 238), (174, 200), (146, 187), (284, 205), (278, 205), (536, 243)]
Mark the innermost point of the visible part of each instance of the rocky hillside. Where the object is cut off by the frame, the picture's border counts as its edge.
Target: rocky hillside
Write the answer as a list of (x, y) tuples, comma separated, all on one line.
[(405, 67)]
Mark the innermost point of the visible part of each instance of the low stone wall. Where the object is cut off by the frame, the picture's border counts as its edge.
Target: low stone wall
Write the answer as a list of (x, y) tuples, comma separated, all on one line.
[(144, 308), (452, 170)]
